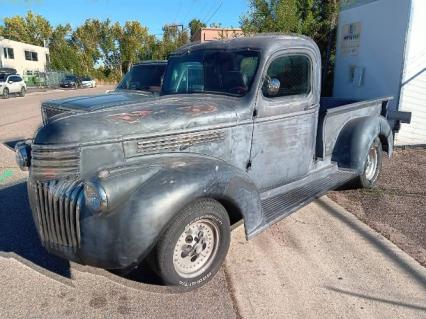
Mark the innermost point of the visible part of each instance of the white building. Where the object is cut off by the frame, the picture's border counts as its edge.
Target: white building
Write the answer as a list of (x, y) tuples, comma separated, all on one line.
[(381, 51), (25, 58)]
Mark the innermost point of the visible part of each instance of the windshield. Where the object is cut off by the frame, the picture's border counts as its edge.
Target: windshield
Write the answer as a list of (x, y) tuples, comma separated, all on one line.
[(143, 77), (70, 77), (86, 78), (211, 71)]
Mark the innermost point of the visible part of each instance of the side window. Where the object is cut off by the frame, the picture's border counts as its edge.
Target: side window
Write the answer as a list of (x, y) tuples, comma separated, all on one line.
[(293, 73), (8, 53)]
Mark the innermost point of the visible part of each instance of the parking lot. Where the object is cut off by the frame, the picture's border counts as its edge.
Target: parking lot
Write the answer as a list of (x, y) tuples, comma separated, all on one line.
[(321, 262)]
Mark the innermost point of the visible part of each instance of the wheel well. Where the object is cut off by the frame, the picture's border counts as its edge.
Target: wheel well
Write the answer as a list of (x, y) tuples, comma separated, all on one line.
[(234, 212), (384, 141)]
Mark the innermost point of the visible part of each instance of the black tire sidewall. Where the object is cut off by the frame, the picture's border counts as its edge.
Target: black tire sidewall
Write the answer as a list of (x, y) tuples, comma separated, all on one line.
[(204, 208), (5, 96), (23, 91), (364, 181)]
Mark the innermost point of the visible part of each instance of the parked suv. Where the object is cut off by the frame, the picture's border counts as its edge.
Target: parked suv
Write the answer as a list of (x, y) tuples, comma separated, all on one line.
[(71, 81), (88, 82), (12, 84)]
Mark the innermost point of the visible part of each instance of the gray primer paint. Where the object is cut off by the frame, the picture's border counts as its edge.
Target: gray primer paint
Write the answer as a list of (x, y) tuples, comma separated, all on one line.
[(155, 156)]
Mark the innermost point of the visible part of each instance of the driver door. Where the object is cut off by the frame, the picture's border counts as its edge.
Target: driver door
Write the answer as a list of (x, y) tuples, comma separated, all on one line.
[(284, 130)]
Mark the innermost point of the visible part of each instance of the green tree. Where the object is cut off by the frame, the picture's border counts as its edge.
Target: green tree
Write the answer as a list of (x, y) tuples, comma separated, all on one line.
[(63, 54), (195, 25), (174, 36), (314, 18), (135, 44), (86, 40), (32, 29)]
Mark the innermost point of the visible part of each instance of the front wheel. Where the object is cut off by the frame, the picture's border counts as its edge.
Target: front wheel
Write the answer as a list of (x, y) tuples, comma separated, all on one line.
[(192, 249), (23, 92), (5, 93), (372, 165)]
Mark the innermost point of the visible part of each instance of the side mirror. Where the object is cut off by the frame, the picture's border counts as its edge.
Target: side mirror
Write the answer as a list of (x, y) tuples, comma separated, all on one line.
[(271, 87), (10, 82)]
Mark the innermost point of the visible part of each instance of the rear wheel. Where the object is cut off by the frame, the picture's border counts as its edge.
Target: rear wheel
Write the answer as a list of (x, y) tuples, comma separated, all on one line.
[(193, 247), (372, 165), (23, 92), (6, 93)]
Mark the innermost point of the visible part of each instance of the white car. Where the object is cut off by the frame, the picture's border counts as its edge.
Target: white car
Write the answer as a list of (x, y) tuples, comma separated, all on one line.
[(12, 84), (88, 82)]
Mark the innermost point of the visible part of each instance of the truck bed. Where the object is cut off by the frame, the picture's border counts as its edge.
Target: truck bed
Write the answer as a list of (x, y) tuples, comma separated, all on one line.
[(336, 112)]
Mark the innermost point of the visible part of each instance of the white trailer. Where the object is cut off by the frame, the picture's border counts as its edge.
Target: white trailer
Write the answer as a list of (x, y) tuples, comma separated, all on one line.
[(381, 51)]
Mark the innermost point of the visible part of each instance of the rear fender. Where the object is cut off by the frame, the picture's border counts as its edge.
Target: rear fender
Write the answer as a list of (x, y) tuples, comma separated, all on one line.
[(355, 138)]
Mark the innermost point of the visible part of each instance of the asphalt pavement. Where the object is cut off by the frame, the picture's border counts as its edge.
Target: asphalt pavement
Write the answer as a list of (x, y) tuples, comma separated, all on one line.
[(320, 262)]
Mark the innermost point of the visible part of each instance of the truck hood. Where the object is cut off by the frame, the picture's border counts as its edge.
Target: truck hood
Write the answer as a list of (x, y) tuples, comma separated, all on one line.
[(91, 103), (135, 117)]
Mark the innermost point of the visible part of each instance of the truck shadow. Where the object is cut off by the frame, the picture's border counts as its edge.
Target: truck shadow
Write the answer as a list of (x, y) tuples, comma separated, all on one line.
[(19, 239), (377, 242), (18, 235)]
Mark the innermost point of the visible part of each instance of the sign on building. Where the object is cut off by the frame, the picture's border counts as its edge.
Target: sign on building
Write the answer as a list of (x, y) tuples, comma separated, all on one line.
[(350, 38)]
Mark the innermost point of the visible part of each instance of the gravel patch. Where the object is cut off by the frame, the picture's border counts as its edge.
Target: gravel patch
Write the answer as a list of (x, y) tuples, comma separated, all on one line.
[(396, 207)]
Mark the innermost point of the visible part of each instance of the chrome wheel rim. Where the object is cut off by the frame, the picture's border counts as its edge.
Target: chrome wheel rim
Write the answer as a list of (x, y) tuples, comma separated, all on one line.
[(371, 166), (196, 248)]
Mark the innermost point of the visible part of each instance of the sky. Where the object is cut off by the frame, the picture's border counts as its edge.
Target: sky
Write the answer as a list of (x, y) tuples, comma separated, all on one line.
[(152, 14)]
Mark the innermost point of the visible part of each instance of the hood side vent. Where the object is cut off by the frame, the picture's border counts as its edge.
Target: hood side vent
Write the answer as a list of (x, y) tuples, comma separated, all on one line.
[(171, 143)]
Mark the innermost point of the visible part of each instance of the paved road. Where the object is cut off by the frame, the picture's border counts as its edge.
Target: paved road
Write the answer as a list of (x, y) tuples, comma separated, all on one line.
[(320, 262)]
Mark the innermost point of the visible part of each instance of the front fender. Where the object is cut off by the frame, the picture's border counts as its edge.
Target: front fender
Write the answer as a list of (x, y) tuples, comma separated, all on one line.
[(167, 183), (355, 138)]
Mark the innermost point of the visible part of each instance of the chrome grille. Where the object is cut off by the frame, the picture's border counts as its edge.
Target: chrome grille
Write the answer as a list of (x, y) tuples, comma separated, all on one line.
[(52, 163), (177, 142), (58, 206)]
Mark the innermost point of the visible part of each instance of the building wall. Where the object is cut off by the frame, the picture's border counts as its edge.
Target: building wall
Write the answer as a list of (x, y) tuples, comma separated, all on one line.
[(19, 62), (211, 34), (370, 48), (413, 87)]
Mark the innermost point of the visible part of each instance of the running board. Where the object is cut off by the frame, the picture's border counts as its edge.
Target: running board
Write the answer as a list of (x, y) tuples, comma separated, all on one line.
[(281, 205)]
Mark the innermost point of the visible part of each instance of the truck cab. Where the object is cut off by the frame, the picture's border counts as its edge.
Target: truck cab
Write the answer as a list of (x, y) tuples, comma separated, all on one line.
[(239, 132)]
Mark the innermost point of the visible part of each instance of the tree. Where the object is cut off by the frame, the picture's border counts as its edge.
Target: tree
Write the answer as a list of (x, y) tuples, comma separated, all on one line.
[(86, 40), (314, 18), (134, 44), (173, 38), (63, 55), (195, 25), (32, 29)]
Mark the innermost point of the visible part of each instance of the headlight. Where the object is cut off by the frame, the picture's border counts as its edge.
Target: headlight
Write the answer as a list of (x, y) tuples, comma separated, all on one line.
[(23, 155), (95, 196)]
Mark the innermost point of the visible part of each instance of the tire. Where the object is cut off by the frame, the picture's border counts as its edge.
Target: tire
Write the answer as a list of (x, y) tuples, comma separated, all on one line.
[(372, 166), (5, 93), (23, 92), (179, 248)]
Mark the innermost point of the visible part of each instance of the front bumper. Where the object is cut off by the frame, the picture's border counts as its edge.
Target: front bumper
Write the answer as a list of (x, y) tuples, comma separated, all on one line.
[(68, 85), (70, 230)]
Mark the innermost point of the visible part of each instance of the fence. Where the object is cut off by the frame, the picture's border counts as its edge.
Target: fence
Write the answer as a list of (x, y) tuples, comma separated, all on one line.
[(44, 79)]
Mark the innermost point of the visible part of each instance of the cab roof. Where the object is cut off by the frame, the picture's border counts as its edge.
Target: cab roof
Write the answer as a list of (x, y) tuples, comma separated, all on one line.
[(266, 42)]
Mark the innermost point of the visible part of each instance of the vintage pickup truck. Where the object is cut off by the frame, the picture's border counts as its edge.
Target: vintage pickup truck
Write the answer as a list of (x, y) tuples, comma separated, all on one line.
[(239, 133)]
